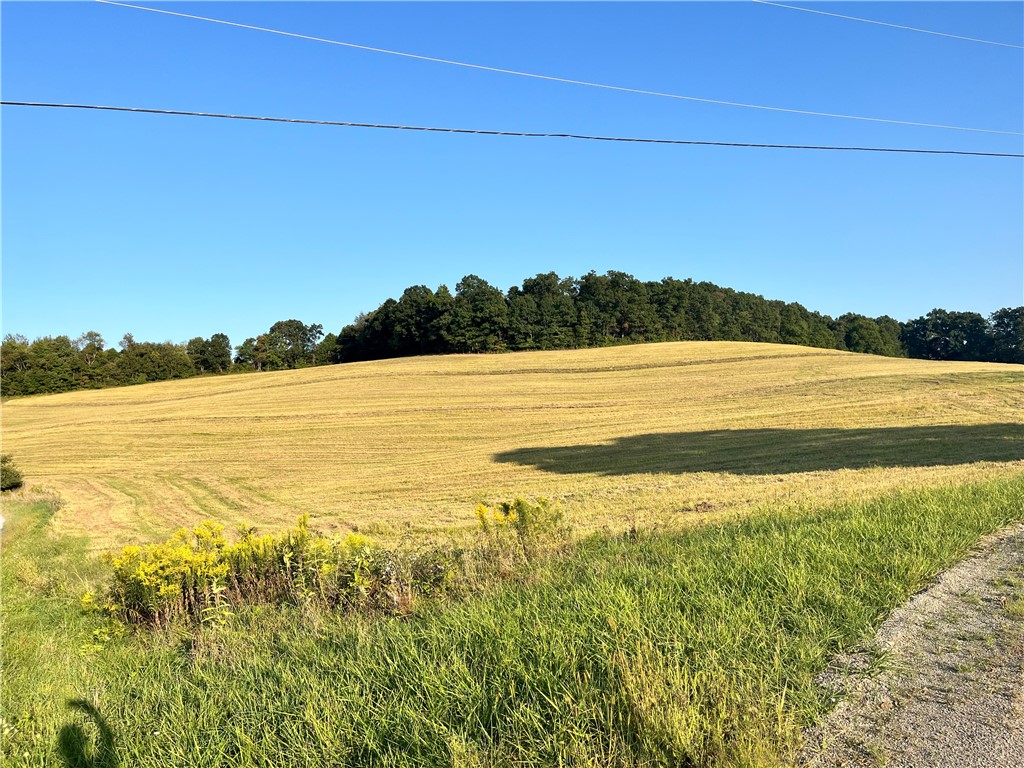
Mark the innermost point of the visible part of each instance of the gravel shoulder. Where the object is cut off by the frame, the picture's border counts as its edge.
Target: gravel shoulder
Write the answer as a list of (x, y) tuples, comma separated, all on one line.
[(942, 684)]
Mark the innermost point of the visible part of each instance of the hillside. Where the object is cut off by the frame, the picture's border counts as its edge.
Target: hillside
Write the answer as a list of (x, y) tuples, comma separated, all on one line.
[(624, 435)]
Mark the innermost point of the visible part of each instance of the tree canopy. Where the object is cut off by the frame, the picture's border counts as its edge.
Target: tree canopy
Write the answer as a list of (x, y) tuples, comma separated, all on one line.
[(545, 312)]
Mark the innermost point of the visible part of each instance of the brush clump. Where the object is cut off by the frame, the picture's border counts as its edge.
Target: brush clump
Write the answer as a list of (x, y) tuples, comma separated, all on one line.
[(199, 575)]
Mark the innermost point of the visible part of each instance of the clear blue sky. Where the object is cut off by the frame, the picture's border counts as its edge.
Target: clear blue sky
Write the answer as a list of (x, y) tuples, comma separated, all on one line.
[(172, 227)]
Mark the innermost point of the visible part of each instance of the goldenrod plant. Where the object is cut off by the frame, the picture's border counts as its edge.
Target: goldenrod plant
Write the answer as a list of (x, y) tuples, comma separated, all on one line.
[(197, 575)]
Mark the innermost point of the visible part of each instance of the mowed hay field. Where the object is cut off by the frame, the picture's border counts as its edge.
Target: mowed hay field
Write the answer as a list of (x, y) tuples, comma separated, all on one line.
[(633, 435)]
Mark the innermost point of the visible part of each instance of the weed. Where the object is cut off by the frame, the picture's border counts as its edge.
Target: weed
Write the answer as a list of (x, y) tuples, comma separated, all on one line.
[(1014, 608), (520, 531), (200, 576)]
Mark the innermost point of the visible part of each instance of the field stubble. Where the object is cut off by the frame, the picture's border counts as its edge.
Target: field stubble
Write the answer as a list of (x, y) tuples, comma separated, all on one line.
[(637, 435)]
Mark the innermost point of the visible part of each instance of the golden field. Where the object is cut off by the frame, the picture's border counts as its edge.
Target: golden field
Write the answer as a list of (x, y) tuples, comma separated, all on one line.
[(643, 435)]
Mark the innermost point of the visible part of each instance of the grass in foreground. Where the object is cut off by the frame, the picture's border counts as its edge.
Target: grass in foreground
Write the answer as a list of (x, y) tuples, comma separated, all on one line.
[(696, 648)]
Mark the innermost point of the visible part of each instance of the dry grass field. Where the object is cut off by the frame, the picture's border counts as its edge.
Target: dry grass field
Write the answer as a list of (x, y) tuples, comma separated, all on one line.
[(641, 435)]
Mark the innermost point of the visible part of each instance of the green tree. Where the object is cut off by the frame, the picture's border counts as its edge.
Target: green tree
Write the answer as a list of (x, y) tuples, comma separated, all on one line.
[(479, 317), (889, 330), (245, 353), (673, 303), (860, 334), (794, 325), (706, 310), (352, 340), (15, 363), (141, 362), (544, 311), (217, 357), (944, 335), (413, 319), (269, 352), (90, 345), (54, 366), (820, 331), (299, 342), (596, 310), (523, 320), (377, 336), (10, 477), (327, 350), (616, 307), (196, 351), (444, 303), (1007, 331), (756, 318)]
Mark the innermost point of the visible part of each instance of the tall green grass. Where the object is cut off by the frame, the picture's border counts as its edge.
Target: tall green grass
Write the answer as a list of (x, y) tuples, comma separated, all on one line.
[(694, 648), (45, 639)]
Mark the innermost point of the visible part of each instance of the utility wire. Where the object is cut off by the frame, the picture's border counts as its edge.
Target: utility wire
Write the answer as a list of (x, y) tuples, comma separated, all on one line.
[(557, 79), (480, 132), (886, 24)]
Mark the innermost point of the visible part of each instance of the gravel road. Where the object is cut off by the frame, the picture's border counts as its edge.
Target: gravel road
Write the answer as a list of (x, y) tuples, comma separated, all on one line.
[(943, 684)]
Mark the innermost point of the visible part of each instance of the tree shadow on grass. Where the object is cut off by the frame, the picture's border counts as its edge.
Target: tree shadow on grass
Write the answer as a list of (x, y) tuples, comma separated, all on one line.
[(78, 749), (780, 451)]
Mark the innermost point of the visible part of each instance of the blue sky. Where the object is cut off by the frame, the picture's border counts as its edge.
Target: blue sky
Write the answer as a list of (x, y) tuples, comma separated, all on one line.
[(171, 227)]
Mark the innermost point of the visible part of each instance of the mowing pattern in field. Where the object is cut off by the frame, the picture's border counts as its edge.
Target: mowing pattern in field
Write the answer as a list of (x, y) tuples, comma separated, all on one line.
[(621, 435)]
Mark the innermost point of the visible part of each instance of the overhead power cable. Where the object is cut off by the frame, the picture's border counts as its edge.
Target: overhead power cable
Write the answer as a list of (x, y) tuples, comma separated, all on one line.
[(481, 132), (887, 24), (558, 79)]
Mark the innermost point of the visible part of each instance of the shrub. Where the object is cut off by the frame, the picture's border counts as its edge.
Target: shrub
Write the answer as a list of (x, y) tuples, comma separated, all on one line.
[(198, 575), (10, 477), (520, 531), (434, 570)]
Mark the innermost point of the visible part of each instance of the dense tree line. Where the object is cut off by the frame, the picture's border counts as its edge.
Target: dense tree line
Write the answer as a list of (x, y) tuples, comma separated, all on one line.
[(545, 312), (551, 312), (60, 364)]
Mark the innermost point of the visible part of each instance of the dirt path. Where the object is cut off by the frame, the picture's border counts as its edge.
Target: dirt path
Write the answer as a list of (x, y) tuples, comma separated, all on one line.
[(944, 685)]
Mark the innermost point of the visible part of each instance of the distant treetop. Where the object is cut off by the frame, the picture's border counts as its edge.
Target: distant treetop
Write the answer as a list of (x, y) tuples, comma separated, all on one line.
[(545, 312)]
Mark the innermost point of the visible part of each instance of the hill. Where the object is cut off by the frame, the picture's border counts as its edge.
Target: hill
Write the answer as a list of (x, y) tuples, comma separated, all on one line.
[(639, 434)]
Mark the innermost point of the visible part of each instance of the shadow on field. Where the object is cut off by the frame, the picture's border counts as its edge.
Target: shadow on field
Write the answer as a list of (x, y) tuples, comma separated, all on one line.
[(80, 751), (779, 451)]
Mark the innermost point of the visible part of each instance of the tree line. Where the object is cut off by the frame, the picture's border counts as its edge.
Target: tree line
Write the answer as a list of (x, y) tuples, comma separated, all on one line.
[(546, 312)]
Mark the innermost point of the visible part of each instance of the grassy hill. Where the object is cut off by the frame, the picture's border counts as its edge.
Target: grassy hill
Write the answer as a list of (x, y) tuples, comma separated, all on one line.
[(859, 477), (638, 434)]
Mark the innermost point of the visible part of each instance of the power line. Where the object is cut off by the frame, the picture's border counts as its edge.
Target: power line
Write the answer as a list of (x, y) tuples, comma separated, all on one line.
[(558, 79), (886, 24), (481, 132)]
